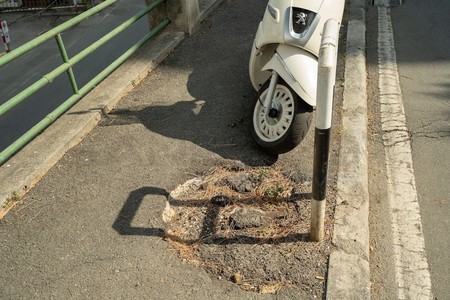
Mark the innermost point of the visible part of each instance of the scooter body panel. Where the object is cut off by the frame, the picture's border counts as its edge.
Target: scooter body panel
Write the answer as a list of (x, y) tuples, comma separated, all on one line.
[(276, 39), (258, 59), (276, 28), (298, 69), (277, 24)]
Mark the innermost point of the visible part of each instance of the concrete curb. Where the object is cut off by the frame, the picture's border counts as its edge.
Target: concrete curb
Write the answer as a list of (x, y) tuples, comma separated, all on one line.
[(26, 168), (349, 272), (208, 8)]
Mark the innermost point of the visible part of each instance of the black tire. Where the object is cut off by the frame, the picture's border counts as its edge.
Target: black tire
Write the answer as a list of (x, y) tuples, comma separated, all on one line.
[(285, 131)]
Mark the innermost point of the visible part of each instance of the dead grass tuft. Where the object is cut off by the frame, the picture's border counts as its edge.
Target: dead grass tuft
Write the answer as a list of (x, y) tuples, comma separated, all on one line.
[(202, 233)]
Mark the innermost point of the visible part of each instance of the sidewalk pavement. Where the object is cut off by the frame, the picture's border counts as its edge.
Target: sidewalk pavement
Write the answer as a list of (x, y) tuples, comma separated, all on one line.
[(188, 115)]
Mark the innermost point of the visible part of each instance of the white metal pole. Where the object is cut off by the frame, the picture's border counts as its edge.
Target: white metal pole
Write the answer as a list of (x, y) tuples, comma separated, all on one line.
[(324, 109), (5, 35)]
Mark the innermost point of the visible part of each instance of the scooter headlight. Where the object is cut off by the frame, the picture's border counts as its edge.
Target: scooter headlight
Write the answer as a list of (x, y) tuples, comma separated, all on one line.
[(302, 20)]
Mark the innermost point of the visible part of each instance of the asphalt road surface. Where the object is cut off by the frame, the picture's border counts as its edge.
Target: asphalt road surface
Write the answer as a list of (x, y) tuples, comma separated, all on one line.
[(422, 44), (420, 31), (24, 71)]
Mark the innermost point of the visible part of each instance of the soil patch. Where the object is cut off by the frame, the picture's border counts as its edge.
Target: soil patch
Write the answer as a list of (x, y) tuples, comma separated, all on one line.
[(250, 226)]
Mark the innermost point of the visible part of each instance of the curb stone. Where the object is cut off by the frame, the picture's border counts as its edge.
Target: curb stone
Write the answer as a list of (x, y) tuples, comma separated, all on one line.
[(349, 272), (353, 284), (207, 7)]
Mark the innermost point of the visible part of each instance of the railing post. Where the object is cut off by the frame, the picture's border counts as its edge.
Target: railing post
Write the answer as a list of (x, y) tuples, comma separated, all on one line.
[(65, 58), (324, 109), (183, 14)]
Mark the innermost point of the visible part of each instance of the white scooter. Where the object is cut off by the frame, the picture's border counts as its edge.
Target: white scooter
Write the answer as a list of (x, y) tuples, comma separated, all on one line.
[(283, 69)]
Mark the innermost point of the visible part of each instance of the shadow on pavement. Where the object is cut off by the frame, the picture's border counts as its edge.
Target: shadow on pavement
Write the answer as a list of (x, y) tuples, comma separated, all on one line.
[(202, 92), (201, 123), (122, 224)]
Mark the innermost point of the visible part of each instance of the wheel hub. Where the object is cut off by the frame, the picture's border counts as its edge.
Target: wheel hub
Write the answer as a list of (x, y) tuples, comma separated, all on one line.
[(273, 112)]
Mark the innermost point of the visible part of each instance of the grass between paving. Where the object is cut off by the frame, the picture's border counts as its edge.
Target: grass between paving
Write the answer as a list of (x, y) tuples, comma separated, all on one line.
[(9, 204)]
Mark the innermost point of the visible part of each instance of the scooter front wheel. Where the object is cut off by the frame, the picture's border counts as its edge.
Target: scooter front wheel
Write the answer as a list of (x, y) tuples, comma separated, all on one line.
[(281, 127)]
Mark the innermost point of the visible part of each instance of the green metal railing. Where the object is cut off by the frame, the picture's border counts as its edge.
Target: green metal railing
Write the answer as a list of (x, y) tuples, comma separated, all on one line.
[(78, 93)]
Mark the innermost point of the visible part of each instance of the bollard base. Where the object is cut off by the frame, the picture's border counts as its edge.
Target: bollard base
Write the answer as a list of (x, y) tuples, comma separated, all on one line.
[(317, 233)]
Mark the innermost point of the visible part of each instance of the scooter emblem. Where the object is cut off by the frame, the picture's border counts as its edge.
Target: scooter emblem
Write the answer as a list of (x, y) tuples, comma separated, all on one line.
[(301, 18)]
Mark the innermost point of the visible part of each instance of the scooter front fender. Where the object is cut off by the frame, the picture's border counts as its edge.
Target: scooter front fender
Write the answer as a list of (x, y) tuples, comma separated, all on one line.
[(298, 68)]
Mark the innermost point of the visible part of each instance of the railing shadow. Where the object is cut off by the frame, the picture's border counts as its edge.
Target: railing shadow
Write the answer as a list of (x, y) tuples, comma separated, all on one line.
[(123, 226)]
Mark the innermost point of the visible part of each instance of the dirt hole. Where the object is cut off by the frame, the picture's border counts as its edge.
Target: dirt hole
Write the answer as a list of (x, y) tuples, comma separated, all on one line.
[(249, 226)]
